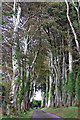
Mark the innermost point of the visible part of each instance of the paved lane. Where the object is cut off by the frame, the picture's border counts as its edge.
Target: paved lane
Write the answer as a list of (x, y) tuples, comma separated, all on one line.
[(43, 115)]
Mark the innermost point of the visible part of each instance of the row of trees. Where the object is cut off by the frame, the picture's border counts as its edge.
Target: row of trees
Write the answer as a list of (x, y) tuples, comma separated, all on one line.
[(40, 50)]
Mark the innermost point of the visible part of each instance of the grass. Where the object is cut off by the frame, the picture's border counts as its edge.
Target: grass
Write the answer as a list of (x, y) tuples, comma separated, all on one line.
[(68, 112), (27, 114)]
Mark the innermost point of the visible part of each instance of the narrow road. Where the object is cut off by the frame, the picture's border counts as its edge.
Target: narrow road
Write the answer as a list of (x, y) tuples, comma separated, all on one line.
[(43, 115)]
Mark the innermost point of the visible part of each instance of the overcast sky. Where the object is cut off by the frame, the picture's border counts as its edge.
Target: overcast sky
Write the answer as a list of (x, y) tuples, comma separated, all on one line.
[(38, 95)]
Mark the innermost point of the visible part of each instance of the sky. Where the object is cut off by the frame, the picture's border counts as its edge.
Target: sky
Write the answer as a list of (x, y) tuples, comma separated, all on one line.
[(38, 95)]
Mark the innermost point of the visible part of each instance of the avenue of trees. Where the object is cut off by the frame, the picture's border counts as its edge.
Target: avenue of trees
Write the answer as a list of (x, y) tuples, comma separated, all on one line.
[(40, 51)]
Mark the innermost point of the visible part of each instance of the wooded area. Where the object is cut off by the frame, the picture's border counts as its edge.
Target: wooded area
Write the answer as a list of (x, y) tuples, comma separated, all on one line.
[(40, 51)]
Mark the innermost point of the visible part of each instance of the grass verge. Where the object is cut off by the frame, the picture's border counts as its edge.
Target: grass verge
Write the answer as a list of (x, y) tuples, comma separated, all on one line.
[(27, 114), (68, 112)]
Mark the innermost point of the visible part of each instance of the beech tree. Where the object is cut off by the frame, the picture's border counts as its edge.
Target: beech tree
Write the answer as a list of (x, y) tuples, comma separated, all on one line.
[(40, 51)]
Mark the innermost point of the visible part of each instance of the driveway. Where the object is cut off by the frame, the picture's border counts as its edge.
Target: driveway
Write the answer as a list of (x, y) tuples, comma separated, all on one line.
[(43, 115)]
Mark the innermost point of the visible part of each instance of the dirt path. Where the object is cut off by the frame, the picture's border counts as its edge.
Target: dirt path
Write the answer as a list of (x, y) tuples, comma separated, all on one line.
[(43, 115)]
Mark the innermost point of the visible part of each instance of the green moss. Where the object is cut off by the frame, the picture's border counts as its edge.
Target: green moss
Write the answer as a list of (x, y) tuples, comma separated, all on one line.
[(60, 85), (28, 83), (70, 85), (47, 97), (78, 84), (16, 55), (18, 79), (50, 92), (18, 68)]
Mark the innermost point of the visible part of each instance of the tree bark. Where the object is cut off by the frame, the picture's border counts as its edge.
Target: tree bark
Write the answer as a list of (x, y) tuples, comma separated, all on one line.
[(73, 30), (79, 12), (70, 66), (63, 77), (50, 101), (16, 21), (47, 91), (43, 99), (4, 107)]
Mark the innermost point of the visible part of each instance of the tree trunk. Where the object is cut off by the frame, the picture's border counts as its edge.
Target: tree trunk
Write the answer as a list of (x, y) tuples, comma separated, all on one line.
[(9, 110), (73, 29), (24, 105), (63, 77), (50, 101), (70, 70), (47, 92), (79, 12), (15, 53), (43, 99), (20, 105), (26, 49), (4, 107), (27, 96), (66, 81), (50, 91)]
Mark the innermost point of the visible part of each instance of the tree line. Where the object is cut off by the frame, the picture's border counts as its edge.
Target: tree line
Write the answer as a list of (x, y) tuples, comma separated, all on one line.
[(40, 50)]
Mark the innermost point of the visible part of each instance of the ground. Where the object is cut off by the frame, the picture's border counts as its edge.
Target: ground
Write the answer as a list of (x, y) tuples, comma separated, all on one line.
[(43, 114), (68, 112), (28, 115), (50, 113)]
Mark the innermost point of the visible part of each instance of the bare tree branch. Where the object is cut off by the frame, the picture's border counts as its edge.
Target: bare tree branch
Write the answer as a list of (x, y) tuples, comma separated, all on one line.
[(36, 55), (29, 18)]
